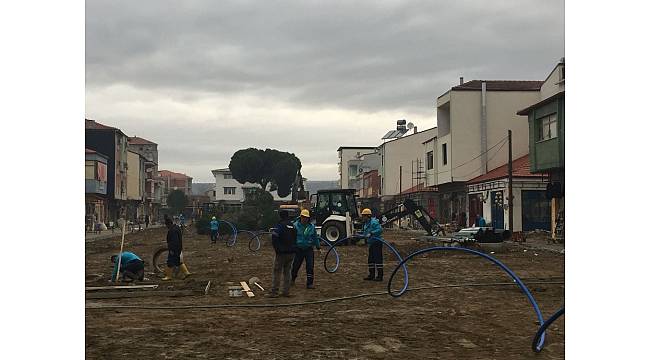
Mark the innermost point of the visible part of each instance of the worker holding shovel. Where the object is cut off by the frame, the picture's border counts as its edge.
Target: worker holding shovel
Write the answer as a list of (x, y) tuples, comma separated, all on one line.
[(306, 239), (372, 232)]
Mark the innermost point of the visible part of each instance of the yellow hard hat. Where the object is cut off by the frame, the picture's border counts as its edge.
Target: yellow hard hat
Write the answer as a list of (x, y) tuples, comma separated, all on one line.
[(214, 218), (304, 213), (366, 211)]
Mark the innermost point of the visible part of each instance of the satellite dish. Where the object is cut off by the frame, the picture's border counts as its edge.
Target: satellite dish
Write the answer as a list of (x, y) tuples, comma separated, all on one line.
[(410, 125)]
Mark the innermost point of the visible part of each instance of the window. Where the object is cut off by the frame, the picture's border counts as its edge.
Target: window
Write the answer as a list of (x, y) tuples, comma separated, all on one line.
[(227, 176), (547, 127), (430, 160), (229, 191), (90, 169), (444, 154)]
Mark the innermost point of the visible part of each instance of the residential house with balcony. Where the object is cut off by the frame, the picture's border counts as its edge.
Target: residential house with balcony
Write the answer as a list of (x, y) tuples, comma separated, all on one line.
[(152, 182), (362, 163), (473, 120), (96, 185), (229, 194), (111, 142), (349, 161), (545, 124)]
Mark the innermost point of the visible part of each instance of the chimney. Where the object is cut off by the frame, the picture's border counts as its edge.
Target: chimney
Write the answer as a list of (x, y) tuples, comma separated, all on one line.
[(461, 80), (415, 129)]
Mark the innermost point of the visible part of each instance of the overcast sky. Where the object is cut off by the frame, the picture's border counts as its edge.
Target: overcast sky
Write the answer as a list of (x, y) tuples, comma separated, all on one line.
[(206, 78)]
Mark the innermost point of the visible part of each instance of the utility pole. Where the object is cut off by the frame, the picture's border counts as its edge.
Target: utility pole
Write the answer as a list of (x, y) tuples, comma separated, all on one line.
[(399, 221), (510, 202)]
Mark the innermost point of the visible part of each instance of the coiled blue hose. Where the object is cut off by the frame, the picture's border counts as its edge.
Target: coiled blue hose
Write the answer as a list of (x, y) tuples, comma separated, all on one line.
[(397, 255), (234, 233), (542, 329), (538, 345)]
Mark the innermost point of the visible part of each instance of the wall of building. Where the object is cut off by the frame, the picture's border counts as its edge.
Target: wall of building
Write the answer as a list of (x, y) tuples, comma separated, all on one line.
[(502, 107), (464, 140), (402, 152), (553, 84), (134, 176)]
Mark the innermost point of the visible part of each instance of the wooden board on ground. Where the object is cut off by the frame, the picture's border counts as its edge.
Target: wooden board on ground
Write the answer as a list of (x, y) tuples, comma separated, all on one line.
[(245, 286), (247, 289)]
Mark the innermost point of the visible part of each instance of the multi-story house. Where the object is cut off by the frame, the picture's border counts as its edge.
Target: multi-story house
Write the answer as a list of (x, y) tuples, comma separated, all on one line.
[(135, 193), (111, 142), (546, 141), (153, 183), (363, 163), (473, 120), (96, 185), (229, 194), (399, 159), (174, 181), (348, 166)]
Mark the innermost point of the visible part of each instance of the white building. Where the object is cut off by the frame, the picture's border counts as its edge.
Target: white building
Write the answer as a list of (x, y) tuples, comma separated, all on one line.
[(473, 121), (230, 193), (348, 171), (405, 152)]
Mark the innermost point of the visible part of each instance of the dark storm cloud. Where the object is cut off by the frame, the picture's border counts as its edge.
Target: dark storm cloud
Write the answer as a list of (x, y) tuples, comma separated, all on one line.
[(365, 56)]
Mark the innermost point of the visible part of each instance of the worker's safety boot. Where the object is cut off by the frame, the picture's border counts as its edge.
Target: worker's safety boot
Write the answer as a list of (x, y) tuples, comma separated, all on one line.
[(380, 275), (371, 274), (168, 273), (183, 270)]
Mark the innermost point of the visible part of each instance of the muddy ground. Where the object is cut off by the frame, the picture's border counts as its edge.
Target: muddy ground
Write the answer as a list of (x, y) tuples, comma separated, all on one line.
[(490, 322)]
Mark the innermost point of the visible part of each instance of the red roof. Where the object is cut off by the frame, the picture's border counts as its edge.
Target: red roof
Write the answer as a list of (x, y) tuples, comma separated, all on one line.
[(501, 85), (520, 168), (140, 141), (171, 174), (92, 124)]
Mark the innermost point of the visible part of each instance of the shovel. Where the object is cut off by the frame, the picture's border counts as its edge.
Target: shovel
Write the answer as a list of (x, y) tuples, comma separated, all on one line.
[(255, 281)]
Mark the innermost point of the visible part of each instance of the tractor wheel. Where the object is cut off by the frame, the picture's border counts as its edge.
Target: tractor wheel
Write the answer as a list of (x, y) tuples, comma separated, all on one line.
[(333, 231)]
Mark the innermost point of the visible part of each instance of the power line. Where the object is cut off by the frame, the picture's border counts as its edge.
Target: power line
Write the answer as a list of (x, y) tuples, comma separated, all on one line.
[(488, 160), (477, 156)]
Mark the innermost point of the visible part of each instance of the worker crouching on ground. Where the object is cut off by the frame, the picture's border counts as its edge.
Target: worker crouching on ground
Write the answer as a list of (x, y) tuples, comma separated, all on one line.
[(174, 250), (131, 267), (306, 239), (284, 244), (372, 232), (214, 229)]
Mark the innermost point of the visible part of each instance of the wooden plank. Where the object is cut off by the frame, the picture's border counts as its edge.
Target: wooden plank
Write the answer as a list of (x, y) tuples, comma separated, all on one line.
[(250, 294), (92, 288), (244, 286), (122, 295)]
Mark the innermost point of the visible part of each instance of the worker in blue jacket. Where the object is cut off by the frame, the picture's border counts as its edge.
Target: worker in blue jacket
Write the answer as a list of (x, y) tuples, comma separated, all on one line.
[(372, 232), (214, 229), (131, 267), (306, 240)]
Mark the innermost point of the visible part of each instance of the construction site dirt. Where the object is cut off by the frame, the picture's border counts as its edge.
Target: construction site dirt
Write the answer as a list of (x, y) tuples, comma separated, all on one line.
[(179, 320)]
